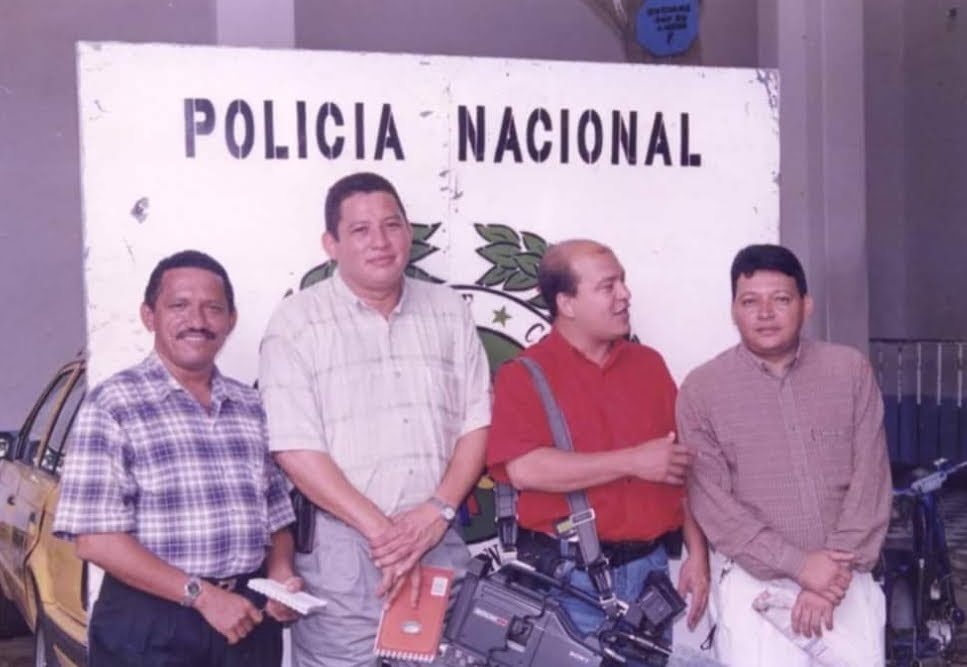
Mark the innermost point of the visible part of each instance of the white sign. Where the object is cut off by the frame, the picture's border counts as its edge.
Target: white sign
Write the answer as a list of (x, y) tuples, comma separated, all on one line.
[(231, 151)]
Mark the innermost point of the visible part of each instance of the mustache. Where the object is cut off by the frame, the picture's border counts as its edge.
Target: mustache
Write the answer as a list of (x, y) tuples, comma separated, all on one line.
[(207, 333)]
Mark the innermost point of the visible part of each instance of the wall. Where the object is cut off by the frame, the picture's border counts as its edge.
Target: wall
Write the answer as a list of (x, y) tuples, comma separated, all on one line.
[(41, 287)]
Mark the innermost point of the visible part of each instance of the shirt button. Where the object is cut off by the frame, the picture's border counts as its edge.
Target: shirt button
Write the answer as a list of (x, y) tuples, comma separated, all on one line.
[(406, 420)]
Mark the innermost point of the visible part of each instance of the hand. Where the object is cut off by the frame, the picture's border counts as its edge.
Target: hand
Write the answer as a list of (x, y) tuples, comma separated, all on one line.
[(661, 460), (232, 615), (279, 611), (810, 613), (693, 579), (827, 573), (399, 548)]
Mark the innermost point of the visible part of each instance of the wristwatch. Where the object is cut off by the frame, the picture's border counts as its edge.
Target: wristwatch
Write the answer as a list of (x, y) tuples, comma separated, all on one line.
[(192, 591), (447, 511)]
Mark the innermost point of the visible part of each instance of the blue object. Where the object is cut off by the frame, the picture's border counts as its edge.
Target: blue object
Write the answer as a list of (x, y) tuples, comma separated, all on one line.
[(667, 27)]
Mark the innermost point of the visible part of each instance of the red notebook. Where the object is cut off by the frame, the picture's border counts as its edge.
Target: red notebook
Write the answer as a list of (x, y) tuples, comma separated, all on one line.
[(413, 633)]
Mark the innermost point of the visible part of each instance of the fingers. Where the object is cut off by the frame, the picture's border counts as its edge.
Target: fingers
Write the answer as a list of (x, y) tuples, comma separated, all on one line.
[(386, 583), (416, 578), (841, 556)]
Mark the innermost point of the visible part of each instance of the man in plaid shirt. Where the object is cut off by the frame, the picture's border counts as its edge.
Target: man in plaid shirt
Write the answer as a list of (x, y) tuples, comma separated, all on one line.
[(170, 488)]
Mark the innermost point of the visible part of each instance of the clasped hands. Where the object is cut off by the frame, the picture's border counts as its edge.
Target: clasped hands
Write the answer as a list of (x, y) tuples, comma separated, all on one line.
[(397, 550), (825, 578)]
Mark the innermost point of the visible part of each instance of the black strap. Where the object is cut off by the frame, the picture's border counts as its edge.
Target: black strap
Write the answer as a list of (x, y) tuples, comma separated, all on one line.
[(581, 524)]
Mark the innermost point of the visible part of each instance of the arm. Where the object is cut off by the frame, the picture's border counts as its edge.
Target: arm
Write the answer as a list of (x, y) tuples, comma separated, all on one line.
[(865, 514), (694, 575), (729, 525), (124, 558), (316, 475)]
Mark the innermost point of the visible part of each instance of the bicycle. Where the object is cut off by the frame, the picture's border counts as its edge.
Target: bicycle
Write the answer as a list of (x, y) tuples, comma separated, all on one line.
[(922, 610)]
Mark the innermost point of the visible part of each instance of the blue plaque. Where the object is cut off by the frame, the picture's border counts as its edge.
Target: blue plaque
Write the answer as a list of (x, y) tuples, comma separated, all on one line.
[(667, 27)]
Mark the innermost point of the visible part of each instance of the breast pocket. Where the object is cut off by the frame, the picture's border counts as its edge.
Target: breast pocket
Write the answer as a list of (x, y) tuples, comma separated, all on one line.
[(833, 447)]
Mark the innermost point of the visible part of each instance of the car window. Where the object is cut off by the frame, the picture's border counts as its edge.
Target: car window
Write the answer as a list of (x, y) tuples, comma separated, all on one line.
[(53, 456), (34, 431)]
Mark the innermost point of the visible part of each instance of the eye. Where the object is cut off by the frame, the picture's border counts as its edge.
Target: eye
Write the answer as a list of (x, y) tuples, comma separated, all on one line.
[(784, 299)]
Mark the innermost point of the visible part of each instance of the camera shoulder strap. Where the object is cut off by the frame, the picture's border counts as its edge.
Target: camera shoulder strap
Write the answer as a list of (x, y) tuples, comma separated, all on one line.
[(581, 523)]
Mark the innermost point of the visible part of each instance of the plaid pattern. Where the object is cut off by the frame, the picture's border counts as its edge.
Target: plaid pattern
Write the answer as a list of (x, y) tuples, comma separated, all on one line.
[(198, 490), (786, 465), (387, 399)]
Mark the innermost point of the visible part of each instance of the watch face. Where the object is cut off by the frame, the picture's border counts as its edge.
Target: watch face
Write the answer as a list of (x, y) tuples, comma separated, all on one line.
[(193, 588), (448, 513)]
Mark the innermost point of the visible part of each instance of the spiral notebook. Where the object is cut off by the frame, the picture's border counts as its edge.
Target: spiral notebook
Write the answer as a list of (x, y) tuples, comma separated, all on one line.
[(414, 633)]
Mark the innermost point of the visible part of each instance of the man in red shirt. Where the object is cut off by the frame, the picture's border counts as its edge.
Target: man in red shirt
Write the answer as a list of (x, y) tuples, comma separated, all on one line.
[(618, 400)]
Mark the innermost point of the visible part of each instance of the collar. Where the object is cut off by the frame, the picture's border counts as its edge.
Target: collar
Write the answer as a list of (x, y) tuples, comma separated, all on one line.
[(342, 290), (161, 383), (751, 358), (562, 346)]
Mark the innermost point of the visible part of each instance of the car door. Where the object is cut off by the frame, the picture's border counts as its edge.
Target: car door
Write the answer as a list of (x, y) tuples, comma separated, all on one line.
[(21, 503), (60, 576)]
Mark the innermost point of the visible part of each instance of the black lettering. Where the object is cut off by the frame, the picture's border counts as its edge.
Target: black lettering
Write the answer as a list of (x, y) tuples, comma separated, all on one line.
[(507, 139), (300, 129), (688, 159), (470, 132), (658, 143), (589, 119), (387, 137), (538, 116), (360, 136), (624, 138), (271, 150), (333, 150), (565, 146), (235, 109), (193, 127)]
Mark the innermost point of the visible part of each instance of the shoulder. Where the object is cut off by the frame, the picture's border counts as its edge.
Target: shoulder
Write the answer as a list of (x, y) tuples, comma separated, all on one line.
[(299, 306), (834, 352), (423, 294), (240, 392), (712, 371), (124, 387)]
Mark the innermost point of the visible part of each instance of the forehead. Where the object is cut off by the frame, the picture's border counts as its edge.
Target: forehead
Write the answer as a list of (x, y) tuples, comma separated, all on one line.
[(187, 278), (766, 281), (368, 207), (595, 264)]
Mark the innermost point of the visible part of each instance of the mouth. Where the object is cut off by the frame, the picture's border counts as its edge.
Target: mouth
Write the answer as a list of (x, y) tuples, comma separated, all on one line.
[(383, 260), (196, 334)]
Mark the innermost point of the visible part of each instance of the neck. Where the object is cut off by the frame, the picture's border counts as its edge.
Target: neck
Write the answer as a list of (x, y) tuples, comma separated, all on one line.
[(197, 383), (595, 349), (381, 300)]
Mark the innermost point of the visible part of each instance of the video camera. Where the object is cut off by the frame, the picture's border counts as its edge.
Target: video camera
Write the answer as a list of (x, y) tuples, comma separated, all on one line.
[(507, 618)]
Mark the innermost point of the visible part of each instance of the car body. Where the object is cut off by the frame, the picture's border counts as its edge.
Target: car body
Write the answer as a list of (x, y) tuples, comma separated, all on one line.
[(40, 575)]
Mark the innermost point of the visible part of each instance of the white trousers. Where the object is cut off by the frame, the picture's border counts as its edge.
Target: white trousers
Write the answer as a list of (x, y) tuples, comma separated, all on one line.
[(744, 638)]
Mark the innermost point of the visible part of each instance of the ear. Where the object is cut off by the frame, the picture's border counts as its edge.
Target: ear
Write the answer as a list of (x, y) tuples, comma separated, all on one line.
[(565, 304), (330, 245), (807, 304), (231, 327), (147, 317)]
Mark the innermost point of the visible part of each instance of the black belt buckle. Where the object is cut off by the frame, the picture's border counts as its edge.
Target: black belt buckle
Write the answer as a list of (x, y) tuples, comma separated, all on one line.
[(228, 584)]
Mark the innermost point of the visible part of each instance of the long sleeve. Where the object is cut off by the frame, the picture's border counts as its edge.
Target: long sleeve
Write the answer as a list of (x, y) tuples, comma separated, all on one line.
[(864, 518)]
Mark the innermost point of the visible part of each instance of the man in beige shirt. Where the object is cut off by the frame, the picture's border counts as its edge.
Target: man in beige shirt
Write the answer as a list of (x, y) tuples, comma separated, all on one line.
[(377, 392), (791, 480)]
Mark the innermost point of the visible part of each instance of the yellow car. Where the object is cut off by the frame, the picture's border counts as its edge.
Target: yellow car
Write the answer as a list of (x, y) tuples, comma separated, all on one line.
[(43, 585)]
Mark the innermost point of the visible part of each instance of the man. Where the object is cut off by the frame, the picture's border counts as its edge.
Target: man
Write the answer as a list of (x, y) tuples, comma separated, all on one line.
[(618, 400), (791, 481), (169, 487), (377, 393)]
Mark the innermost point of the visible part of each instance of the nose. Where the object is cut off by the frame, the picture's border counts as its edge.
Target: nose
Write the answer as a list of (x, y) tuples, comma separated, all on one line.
[(622, 291), (195, 317), (379, 237), (766, 310)]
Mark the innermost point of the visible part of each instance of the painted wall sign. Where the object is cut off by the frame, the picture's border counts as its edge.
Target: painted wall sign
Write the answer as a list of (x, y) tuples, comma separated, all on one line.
[(667, 27), (231, 151)]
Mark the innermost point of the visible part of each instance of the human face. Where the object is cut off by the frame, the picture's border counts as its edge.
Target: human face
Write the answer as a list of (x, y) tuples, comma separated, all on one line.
[(769, 313), (190, 321), (373, 247), (599, 310)]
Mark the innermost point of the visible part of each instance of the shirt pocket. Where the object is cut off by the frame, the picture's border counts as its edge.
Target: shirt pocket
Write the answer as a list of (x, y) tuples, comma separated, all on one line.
[(833, 448)]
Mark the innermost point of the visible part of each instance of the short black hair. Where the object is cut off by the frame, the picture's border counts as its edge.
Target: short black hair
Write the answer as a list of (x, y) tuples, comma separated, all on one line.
[(187, 259), (768, 257), (347, 186), (555, 276)]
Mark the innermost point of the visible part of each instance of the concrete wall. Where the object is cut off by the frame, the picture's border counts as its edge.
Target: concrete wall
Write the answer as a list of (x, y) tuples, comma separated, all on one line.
[(41, 289)]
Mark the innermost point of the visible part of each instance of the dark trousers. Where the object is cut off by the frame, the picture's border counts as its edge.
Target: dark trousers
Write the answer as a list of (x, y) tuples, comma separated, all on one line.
[(131, 628)]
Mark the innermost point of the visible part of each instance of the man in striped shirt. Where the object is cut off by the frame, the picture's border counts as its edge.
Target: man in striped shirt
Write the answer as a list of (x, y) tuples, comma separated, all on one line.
[(377, 391), (791, 479), (170, 488)]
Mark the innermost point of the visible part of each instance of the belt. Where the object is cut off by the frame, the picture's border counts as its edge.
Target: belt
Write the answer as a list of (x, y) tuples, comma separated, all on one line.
[(617, 553), (233, 584)]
